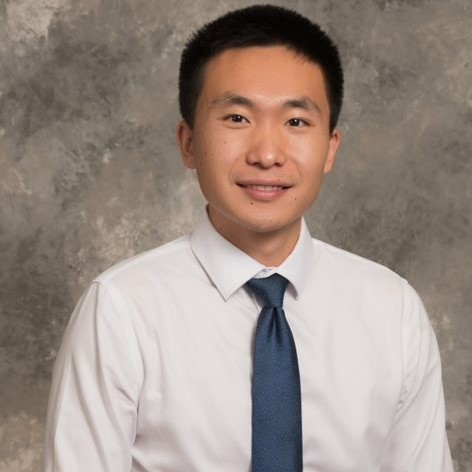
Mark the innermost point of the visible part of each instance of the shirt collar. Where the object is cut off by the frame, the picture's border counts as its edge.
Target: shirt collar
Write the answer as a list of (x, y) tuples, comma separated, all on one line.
[(229, 268)]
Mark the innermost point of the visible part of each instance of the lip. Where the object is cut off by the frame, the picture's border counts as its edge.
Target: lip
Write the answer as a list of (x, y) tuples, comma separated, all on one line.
[(264, 191)]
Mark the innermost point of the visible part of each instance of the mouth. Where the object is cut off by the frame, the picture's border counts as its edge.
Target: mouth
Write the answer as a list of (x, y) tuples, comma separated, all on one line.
[(264, 192), (263, 187)]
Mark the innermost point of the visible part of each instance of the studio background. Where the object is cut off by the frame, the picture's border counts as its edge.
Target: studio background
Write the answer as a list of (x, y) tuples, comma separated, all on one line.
[(90, 173)]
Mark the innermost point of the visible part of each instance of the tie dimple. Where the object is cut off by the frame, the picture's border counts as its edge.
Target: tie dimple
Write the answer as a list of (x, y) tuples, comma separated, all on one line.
[(270, 289)]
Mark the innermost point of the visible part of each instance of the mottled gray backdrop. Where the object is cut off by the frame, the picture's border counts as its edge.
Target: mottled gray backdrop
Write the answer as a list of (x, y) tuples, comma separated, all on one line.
[(90, 174)]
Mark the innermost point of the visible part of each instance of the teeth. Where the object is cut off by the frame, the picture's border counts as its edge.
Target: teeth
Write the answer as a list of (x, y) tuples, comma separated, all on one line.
[(265, 188)]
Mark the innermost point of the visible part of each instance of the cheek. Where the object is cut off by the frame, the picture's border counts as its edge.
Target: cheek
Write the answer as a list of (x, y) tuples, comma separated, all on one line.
[(220, 154), (311, 154), (211, 163), (311, 164)]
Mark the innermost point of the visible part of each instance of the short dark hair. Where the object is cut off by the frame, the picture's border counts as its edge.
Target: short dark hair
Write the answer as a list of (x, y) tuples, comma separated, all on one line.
[(259, 25)]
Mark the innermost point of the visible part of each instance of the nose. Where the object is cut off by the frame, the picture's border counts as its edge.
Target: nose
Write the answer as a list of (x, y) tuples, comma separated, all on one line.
[(266, 147)]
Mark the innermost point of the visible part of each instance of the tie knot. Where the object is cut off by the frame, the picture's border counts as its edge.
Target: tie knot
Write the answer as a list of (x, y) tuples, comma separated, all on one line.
[(270, 289)]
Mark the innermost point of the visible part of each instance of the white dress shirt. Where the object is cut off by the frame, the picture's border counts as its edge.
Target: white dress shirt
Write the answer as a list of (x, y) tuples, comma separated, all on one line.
[(154, 372)]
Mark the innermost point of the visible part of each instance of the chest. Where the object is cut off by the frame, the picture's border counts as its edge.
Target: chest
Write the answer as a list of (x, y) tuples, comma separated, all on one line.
[(196, 394)]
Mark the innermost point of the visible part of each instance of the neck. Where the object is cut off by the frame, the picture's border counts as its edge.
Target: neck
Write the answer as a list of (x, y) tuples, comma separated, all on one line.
[(269, 248)]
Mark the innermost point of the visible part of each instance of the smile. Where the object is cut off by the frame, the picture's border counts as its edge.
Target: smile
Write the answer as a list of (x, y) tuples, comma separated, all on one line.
[(265, 188), (264, 192)]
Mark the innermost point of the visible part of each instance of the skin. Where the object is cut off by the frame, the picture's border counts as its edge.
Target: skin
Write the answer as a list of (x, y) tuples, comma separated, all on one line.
[(261, 146)]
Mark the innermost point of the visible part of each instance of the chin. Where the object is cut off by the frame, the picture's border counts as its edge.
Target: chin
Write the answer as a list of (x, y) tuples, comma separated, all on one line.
[(269, 225), (255, 220)]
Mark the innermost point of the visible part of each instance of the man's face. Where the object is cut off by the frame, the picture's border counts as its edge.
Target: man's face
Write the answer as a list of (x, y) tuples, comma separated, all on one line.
[(260, 142)]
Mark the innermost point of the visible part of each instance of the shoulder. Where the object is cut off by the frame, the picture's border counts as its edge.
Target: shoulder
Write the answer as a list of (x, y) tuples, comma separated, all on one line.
[(368, 280), (376, 293), (355, 274), (154, 263), (351, 263)]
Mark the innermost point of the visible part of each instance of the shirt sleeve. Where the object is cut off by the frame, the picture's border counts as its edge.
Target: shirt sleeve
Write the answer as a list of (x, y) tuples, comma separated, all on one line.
[(417, 441), (92, 415)]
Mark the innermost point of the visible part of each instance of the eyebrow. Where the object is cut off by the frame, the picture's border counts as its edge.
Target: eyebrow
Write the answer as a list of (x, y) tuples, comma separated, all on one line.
[(229, 98), (304, 103)]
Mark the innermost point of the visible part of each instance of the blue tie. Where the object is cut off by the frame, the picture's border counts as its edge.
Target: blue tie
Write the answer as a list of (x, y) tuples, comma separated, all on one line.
[(276, 399)]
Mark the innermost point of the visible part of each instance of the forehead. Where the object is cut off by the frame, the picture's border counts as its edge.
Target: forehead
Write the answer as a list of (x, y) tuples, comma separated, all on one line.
[(267, 71)]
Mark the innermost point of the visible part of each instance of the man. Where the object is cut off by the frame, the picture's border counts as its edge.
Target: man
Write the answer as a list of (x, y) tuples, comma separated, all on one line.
[(248, 345)]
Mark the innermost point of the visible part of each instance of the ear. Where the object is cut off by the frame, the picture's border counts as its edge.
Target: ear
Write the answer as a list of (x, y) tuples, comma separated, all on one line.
[(333, 145), (185, 141)]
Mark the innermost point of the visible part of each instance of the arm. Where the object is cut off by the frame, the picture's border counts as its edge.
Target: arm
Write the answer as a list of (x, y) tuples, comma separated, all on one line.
[(91, 423), (417, 440)]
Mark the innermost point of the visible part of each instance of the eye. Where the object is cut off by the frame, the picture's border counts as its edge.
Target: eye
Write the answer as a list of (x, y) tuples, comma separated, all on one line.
[(236, 119), (297, 122)]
